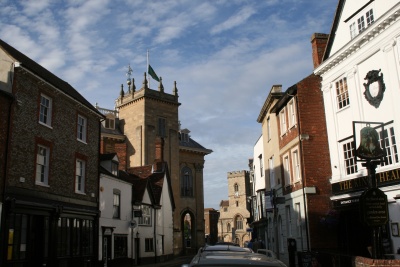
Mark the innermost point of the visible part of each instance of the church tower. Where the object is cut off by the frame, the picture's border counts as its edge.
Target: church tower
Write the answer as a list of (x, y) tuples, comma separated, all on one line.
[(144, 115)]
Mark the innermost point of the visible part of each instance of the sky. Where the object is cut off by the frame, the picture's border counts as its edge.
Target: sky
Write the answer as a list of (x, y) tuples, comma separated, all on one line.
[(224, 55)]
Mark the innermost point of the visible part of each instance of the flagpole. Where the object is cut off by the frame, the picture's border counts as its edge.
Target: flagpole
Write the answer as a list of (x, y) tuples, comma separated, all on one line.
[(147, 69)]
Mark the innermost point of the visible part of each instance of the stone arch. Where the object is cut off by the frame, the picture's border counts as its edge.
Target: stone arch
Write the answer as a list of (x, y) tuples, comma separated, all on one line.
[(188, 230)]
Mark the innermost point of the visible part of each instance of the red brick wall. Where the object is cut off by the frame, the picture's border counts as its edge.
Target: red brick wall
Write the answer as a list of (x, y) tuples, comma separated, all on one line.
[(316, 160)]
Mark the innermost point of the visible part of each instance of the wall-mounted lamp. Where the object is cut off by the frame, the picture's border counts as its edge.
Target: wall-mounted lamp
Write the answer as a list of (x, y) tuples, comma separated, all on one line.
[(304, 137)]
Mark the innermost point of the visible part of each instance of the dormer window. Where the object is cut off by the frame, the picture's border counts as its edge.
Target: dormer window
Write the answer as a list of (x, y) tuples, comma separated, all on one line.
[(110, 123), (357, 25), (114, 168)]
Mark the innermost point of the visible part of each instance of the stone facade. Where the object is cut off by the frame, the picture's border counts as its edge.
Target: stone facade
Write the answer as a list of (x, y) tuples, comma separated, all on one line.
[(235, 212), (142, 116)]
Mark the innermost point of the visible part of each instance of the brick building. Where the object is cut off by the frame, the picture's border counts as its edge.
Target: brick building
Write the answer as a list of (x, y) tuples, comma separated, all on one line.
[(50, 195), (234, 213), (211, 217), (301, 193)]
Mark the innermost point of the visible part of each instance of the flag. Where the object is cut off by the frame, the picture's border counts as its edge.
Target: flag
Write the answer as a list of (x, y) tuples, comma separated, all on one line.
[(152, 73)]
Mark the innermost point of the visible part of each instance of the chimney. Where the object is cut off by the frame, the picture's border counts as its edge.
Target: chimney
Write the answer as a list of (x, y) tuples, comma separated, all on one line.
[(159, 149), (318, 43)]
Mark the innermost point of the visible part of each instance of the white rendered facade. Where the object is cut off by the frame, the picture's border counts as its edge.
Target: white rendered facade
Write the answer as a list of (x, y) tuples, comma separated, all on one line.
[(349, 58)]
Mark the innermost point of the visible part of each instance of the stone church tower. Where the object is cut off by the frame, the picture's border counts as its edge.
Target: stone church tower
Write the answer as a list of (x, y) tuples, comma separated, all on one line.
[(145, 115)]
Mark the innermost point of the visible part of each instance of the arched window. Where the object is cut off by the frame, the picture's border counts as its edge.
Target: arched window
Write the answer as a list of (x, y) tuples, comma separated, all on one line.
[(239, 222), (236, 188), (228, 227), (186, 182)]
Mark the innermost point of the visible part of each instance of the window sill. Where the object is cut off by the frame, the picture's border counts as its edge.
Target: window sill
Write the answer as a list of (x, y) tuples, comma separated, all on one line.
[(46, 125), (42, 184), (82, 141), (80, 193)]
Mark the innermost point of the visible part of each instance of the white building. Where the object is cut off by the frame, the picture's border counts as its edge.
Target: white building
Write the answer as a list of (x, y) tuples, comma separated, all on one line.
[(361, 83), (259, 211), (136, 224)]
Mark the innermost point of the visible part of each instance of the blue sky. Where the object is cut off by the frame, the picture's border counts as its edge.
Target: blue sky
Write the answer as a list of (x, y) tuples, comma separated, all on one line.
[(225, 55)]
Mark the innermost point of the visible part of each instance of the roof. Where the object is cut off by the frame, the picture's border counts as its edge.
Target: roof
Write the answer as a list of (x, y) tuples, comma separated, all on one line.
[(335, 24), (190, 144), (224, 203), (46, 75)]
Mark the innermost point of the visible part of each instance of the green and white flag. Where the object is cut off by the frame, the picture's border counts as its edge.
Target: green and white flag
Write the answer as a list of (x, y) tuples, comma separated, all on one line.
[(152, 73)]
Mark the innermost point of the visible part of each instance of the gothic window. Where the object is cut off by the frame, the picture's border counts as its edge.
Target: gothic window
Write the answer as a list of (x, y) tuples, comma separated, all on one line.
[(186, 182), (236, 188)]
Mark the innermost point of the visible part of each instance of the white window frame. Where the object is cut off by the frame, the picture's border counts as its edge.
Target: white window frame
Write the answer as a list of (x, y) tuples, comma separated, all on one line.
[(146, 215), (272, 172), (282, 119), (286, 169), (296, 165), (116, 204), (349, 163), (46, 110), (81, 131), (361, 24), (342, 93), (298, 221), (369, 16), (42, 165), (353, 30), (292, 114), (80, 176)]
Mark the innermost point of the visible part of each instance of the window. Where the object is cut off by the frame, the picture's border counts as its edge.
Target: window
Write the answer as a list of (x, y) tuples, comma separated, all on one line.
[(370, 17), (360, 27), (292, 114), (225, 209), (282, 117), (80, 176), (239, 223), (286, 169), (296, 165), (110, 123), (146, 215), (271, 172), (186, 182), (42, 165), (341, 93), (116, 204), (261, 165), (269, 128), (237, 203), (388, 142), (353, 30), (45, 110), (361, 24), (114, 168), (148, 245), (228, 227), (82, 128), (349, 163), (120, 246), (161, 127), (236, 189)]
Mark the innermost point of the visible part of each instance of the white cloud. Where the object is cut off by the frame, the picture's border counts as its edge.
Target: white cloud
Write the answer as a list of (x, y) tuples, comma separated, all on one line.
[(235, 20)]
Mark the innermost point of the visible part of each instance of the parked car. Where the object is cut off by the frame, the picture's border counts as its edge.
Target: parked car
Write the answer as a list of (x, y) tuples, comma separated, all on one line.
[(227, 243), (268, 253), (228, 255)]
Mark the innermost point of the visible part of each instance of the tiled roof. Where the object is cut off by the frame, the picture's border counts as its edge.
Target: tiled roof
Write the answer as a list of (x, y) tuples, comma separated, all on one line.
[(191, 144), (224, 203), (46, 75)]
